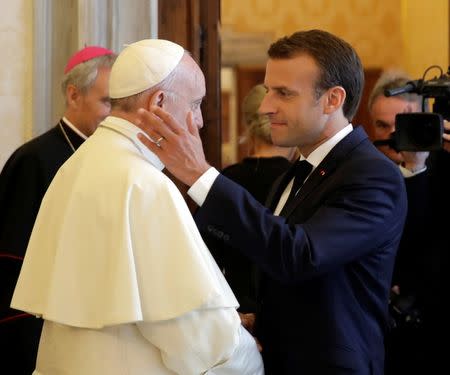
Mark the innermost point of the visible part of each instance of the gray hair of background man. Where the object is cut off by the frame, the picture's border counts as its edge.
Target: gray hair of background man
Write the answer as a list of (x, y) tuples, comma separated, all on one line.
[(391, 79), (83, 75)]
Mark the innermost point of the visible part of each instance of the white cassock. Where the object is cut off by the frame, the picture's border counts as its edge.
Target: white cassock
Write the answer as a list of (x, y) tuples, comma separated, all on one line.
[(118, 270)]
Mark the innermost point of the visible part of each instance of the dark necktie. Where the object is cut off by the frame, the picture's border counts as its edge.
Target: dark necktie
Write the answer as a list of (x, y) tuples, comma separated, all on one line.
[(301, 170)]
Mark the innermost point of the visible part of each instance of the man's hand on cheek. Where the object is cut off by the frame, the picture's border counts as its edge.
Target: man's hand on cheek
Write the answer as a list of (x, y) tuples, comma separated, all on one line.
[(178, 146)]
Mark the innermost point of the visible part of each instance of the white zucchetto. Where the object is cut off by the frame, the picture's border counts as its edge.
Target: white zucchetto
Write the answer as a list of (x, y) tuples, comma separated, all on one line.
[(135, 70)]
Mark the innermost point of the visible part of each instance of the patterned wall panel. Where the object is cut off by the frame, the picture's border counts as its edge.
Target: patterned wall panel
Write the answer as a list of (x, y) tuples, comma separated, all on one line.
[(373, 27)]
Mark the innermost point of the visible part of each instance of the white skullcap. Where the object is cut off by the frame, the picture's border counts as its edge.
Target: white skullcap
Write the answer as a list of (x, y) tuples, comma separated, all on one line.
[(142, 65)]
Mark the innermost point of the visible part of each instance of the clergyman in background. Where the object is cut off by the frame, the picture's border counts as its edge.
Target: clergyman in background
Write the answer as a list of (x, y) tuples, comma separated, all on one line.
[(24, 181)]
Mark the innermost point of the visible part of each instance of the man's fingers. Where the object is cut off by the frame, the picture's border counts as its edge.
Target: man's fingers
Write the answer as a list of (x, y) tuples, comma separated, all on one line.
[(152, 125), (151, 145), (167, 119)]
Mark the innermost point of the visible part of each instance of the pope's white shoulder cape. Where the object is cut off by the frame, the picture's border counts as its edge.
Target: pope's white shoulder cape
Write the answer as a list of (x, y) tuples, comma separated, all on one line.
[(114, 241)]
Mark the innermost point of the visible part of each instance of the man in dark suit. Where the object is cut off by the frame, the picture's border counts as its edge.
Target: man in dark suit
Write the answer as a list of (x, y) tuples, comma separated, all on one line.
[(327, 252), (24, 180)]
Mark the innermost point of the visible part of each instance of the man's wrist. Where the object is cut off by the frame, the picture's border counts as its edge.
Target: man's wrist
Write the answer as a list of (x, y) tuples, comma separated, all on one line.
[(197, 174), (200, 188)]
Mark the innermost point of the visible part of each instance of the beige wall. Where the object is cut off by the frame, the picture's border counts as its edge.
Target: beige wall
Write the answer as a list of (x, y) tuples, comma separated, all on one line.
[(371, 26), (425, 35), (408, 34), (15, 75), (412, 34)]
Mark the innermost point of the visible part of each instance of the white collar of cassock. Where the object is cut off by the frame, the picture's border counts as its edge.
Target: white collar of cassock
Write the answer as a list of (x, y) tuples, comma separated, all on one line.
[(130, 131)]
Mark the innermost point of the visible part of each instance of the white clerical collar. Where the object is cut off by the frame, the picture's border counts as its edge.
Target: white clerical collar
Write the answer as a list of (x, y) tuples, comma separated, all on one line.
[(74, 128), (316, 157), (130, 131)]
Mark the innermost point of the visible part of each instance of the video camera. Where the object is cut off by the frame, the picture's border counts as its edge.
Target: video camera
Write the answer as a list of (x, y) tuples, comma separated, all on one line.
[(422, 131)]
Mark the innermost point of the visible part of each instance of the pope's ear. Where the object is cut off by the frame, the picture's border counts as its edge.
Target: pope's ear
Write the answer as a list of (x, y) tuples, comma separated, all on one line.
[(335, 98), (157, 99)]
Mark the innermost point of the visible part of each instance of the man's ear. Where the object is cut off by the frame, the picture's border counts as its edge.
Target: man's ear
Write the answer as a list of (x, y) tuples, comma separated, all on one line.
[(72, 95), (335, 98), (156, 99)]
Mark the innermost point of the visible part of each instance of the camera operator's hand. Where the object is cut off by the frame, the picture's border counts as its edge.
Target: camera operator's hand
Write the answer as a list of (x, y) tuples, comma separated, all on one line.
[(446, 136), (414, 161)]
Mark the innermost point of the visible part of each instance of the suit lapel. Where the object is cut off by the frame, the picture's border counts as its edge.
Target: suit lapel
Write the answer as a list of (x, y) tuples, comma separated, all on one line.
[(316, 177), (325, 168)]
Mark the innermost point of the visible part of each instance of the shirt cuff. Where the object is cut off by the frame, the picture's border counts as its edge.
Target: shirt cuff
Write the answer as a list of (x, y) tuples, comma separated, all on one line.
[(200, 189), (407, 173)]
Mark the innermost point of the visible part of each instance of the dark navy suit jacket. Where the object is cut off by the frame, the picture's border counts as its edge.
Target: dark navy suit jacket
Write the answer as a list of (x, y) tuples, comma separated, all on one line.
[(327, 260)]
